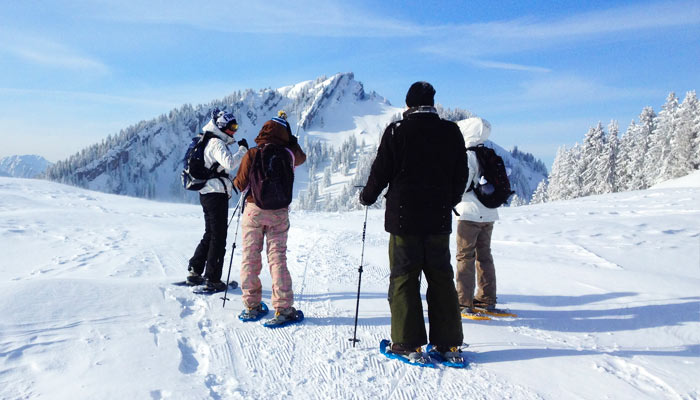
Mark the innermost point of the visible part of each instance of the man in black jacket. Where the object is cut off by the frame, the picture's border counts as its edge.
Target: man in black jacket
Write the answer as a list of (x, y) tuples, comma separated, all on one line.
[(423, 160)]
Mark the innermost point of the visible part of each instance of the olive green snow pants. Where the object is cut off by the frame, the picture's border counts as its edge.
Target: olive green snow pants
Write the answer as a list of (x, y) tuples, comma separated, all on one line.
[(409, 255)]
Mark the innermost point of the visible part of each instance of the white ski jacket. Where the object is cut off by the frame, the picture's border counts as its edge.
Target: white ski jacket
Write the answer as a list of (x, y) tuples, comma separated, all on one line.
[(217, 151), (475, 131)]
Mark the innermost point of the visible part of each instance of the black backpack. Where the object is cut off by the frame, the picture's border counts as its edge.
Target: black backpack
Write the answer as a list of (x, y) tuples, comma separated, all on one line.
[(194, 174), (272, 177), (496, 190)]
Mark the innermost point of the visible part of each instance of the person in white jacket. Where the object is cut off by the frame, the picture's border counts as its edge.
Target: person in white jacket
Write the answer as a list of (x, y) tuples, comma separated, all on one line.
[(474, 229), (214, 198)]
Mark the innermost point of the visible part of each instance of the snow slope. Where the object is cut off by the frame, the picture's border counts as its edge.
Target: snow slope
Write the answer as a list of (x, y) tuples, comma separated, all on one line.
[(606, 289)]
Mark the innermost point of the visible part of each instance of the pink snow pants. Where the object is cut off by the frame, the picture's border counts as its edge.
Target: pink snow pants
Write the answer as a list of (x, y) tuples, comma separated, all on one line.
[(274, 226)]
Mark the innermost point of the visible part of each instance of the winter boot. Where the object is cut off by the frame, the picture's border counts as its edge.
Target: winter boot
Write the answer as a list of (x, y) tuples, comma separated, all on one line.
[(450, 356), (253, 313), (194, 279), (213, 286), (412, 353), (483, 305), (284, 317)]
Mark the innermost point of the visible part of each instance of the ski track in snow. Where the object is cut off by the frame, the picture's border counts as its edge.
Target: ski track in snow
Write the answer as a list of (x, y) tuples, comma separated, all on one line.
[(638, 377), (224, 353), (597, 317)]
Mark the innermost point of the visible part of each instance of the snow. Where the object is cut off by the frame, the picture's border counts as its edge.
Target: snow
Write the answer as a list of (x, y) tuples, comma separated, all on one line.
[(606, 289), (690, 180), (24, 166)]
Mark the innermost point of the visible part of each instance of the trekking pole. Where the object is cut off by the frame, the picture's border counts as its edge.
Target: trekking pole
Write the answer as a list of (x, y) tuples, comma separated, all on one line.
[(238, 208), (359, 280), (234, 211)]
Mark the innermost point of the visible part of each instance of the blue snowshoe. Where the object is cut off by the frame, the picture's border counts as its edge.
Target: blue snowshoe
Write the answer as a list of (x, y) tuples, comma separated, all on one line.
[(254, 314), (284, 318), (449, 357), (408, 356)]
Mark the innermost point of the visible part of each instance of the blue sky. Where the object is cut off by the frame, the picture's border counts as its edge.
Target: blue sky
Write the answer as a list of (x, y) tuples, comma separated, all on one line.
[(73, 72)]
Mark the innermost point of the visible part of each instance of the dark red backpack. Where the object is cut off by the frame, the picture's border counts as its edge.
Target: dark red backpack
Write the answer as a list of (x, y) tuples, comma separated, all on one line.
[(272, 177), (496, 191)]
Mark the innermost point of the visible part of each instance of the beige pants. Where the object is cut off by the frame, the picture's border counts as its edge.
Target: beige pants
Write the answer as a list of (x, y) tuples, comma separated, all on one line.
[(474, 255)]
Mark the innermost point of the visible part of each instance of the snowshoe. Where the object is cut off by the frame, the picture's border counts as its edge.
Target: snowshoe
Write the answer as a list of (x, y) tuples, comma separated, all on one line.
[(408, 356), (469, 313), (284, 318), (193, 279), (253, 314), (449, 357), (214, 287), (490, 309)]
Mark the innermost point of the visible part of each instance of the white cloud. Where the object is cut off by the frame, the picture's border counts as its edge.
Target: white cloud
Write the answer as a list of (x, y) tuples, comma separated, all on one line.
[(565, 89), (66, 96), (306, 17), (463, 58), (470, 42), (47, 52)]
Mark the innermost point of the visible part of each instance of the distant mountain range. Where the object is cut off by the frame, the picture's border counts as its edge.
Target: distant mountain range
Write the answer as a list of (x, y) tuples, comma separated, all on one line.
[(26, 166), (328, 114)]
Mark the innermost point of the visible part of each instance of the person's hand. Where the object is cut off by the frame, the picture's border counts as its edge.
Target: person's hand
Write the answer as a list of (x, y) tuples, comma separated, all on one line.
[(243, 143), (364, 202)]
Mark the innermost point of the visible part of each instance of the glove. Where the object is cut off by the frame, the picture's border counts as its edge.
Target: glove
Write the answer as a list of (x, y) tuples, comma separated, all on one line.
[(364, 202), (243, 143)]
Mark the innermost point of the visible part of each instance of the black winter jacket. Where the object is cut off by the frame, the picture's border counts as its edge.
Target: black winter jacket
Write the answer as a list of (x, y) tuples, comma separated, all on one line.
[(423, 160)]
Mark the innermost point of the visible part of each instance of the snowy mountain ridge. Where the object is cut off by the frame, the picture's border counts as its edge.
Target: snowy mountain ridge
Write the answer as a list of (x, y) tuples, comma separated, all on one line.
[(24, 166), (144, 160)]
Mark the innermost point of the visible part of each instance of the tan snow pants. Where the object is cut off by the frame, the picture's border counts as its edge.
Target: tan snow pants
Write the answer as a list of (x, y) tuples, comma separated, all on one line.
[(474, 256)]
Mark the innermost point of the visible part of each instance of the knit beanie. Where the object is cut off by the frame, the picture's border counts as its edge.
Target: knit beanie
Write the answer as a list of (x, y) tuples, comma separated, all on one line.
[(420, 94)]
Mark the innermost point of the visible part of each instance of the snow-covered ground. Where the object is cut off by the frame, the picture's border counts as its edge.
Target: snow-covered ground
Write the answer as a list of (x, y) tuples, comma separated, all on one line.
[(607, 290)]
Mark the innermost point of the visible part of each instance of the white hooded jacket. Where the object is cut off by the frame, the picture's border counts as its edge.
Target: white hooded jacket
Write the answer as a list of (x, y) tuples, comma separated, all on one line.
[(217, 151), (475, 131)]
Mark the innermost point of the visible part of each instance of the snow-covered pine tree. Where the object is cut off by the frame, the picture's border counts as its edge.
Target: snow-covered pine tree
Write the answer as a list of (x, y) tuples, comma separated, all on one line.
[(642, 160), (574, 176), (608, 184), (326, 177), (540, 194), (695, 127), (556, 190), (590, 164), (516, 201), (660, 144), (680, 161), (623, 162)]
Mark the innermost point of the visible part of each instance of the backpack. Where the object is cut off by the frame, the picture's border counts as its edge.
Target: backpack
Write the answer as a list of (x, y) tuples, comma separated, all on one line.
[(272, 177), (495, 189), (194, 174)]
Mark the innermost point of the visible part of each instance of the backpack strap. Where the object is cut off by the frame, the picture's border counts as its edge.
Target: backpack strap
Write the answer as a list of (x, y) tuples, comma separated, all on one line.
[(291, 153), (473, 149)]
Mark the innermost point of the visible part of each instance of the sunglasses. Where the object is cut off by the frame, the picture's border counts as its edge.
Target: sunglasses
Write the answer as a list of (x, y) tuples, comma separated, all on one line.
[(231, 127)]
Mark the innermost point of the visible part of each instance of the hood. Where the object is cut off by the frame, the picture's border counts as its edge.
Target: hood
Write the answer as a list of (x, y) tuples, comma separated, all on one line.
[(475, 130), (273, 132), (211, 127)]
